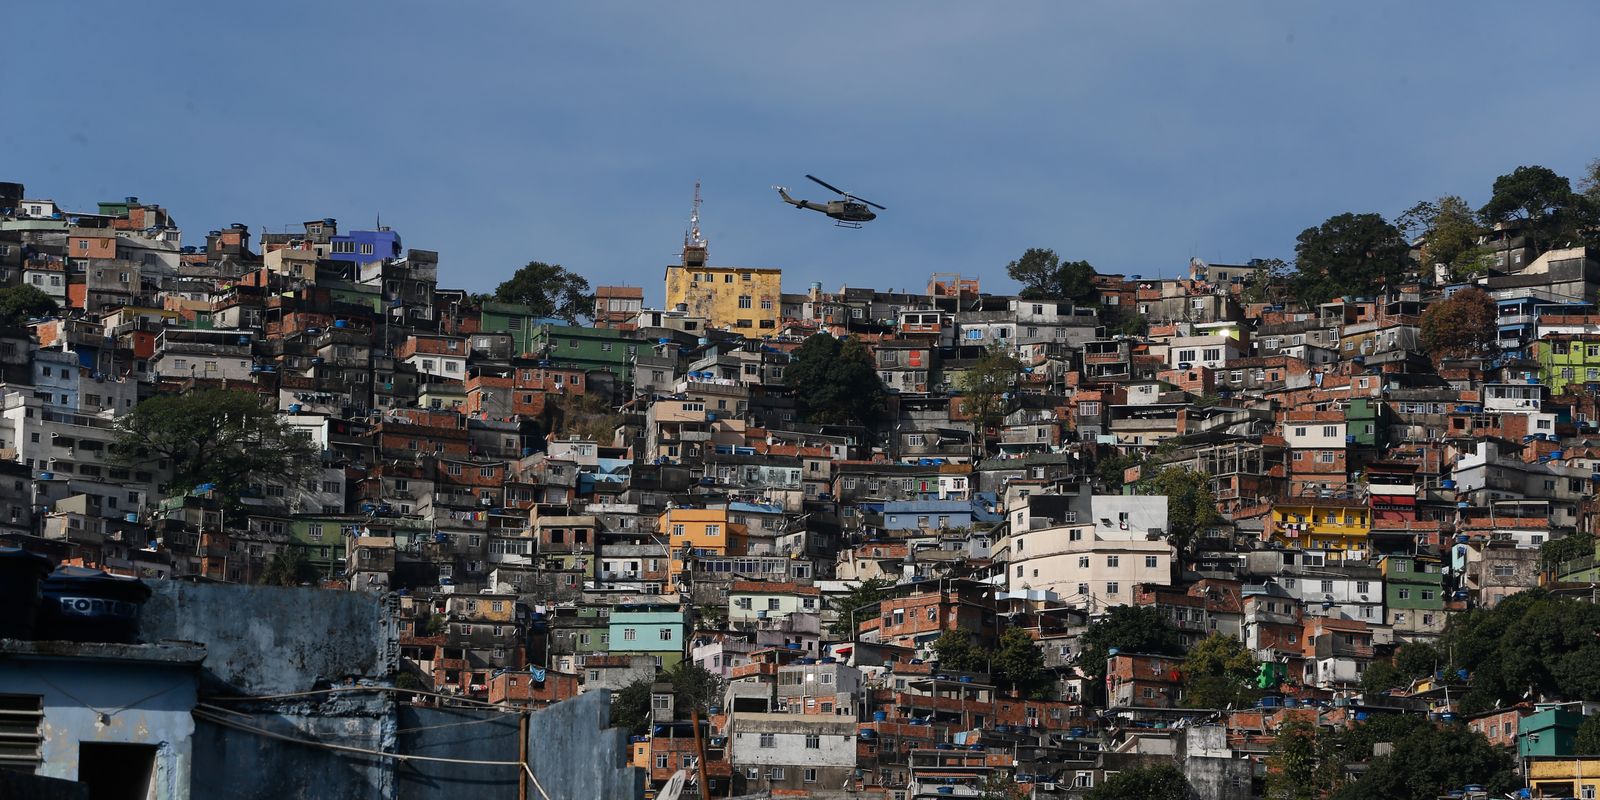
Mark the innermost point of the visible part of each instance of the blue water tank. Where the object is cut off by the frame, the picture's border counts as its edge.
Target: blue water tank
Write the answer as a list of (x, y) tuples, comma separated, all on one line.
[(880, 716)]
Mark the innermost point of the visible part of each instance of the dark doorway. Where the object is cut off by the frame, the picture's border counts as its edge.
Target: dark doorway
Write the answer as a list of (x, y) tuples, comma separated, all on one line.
[(117, 771)]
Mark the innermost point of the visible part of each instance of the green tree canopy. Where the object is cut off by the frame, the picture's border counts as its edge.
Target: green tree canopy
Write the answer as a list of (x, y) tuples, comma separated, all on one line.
[(694, 688), (1019, 664), (1219, 672), (1530, 644), (1108, 470), (835, 381), (289, 566), (1450, 236), (1588, 742), (1411, 661), (1463, 325), (957, 652), (1191, 507), (1350, 254), (1129, 629), (551, 290), (865, 593), (18, 304), (1427, 761), (1537, 198), (228, 439), (1160, 782), (984, 387), (1044, 276), (1300, 766)]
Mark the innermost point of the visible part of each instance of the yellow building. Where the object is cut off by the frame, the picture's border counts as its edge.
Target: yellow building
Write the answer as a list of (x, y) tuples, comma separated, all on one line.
[(1321, 523), (703, 531), (741, 299), (1564, 776)]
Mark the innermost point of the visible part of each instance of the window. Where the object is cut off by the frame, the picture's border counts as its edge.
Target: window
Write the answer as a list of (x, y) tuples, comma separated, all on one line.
[(744, 301), (1083, 562), (776, 774), (1111, 588), (629, 634), (810, 774), (1112, 561), (1405, 594), (1427, 594), (1327, 587), (21, 740), (813, 741), (769, 740), (1150, 562), (665, 634), (661, 761)]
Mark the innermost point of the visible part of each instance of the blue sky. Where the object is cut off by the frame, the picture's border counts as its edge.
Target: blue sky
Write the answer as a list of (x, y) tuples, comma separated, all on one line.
[(1131, 134)]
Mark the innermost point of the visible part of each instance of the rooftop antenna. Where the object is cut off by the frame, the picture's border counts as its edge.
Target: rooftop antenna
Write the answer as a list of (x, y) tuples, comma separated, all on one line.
[(693, 238)]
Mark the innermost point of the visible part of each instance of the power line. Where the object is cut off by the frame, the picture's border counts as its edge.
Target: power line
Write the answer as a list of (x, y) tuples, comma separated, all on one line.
[(203, 713)]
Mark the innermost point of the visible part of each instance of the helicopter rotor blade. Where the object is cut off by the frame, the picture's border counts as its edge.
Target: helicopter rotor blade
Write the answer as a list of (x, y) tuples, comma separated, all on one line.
[(829, 186), (868, 202)]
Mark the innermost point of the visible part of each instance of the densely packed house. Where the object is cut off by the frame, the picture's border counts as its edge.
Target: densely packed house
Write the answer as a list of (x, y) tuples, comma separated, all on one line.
[(558, 506)]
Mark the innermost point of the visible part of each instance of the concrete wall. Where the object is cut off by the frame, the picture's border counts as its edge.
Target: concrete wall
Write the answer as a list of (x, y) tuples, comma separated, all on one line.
[(231, 764), (143, 703), (269, 640), (575, 753), (475, 734)]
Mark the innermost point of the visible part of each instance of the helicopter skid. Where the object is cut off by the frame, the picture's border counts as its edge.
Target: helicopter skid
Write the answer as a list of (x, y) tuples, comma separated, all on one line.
[(845, 224)]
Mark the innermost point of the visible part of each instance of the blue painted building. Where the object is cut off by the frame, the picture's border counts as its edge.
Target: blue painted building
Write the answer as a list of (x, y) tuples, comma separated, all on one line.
[(913, 515), (364, 247)]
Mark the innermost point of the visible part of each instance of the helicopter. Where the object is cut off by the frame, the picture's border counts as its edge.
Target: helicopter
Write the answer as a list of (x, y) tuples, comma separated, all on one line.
[(847, 213)]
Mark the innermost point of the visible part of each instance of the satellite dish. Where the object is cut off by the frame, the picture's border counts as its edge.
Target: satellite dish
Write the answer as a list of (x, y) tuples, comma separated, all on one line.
[(673, 786)]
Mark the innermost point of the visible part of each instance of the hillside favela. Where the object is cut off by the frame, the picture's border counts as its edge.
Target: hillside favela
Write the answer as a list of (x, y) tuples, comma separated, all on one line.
[(285, 515)]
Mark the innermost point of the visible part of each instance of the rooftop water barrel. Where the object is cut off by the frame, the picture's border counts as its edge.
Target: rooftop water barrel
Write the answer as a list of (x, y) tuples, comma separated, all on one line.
[(87, 605), (880, 716), (20, 574)]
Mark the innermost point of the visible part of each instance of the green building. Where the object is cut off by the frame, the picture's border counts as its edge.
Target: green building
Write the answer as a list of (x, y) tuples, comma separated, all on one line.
[(649, 630), (1548, 732), (1565, 359), (1365, 423), (1412, 586), (603, 349), (517, 320)]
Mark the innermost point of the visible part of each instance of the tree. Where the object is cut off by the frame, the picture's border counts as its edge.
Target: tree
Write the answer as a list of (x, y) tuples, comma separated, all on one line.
[(1218, 673), (1130, 629), (984, 388), (957, 652), (694, 688), (1588, 741), (18, 304), (1110, 469), (1427, 761), (1541, 201), (1191, 507), (835, 382), (1530, 644), (866, 593), (1350, 254), (1411, 661), (289, 566), (1044, 276), (1266, 284), (630, 707), (1160, 782), (550, 290), (1555, 552), (1299, 766), (1464, 325), (1019, 664), (227, 439)]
